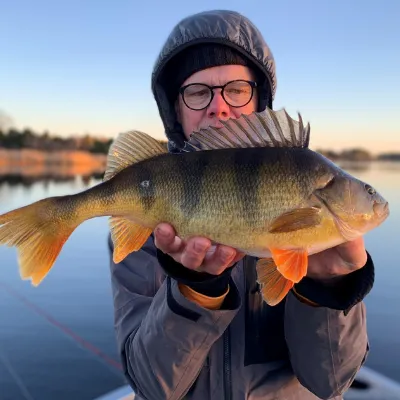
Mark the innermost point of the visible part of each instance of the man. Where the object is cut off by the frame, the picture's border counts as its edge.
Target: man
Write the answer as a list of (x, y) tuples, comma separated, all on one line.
[(189, 318)]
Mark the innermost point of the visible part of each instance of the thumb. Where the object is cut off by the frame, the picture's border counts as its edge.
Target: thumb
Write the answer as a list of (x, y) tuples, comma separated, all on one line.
[(353, 253)]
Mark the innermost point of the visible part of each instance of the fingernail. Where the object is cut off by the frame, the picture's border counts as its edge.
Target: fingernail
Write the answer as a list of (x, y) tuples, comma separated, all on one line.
[(162, 231), (227, 253), (200, 246)]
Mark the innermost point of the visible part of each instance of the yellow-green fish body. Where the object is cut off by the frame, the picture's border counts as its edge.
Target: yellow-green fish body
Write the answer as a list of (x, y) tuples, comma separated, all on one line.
[(231, 196), (260, 190)]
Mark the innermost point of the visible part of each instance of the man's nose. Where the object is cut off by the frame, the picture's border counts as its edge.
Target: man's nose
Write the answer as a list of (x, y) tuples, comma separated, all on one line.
[(218, 108)]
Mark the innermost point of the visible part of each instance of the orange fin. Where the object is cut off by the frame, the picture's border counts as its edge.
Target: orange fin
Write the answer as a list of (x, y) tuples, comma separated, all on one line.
[(292, 264), (127, 237), (274, 286), (38, 231), (296, 219)]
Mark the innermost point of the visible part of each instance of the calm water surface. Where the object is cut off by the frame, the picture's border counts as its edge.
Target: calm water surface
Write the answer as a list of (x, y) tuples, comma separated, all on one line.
[(57, 341)]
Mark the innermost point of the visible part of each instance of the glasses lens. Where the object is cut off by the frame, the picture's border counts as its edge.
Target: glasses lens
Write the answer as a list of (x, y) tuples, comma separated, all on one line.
[(197, 96), (238, 93)]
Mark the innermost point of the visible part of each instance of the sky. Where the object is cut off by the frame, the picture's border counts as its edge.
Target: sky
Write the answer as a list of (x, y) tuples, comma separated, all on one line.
[(75, 67)]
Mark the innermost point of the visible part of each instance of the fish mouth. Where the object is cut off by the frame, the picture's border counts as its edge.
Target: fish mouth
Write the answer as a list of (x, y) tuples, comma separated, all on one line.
[(381, 210)]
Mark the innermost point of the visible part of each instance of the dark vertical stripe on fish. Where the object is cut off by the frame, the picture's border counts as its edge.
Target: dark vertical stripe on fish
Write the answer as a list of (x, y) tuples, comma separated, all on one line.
[(191, 173), (146, 186), (247, 170)]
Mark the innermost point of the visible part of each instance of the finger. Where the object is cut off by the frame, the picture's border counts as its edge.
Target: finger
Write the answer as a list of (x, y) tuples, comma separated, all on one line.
[(216, 262), (166, 240), (194, 252)]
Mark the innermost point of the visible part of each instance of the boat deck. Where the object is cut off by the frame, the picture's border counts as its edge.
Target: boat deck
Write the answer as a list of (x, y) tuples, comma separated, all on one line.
[(368, 385)]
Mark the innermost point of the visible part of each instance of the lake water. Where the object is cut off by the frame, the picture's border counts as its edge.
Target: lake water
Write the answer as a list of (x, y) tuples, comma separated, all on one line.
[(57, 341)]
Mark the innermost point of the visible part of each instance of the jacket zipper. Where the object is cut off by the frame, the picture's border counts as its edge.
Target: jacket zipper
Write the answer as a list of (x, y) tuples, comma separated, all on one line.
[(227, 366), (227, 345)]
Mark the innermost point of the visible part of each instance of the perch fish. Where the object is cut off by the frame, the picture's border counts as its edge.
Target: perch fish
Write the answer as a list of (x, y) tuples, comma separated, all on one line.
[(253, 184)]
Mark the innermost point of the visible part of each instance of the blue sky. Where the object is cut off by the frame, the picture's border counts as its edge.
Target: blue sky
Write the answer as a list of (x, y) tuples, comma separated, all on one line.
[(77, 67)]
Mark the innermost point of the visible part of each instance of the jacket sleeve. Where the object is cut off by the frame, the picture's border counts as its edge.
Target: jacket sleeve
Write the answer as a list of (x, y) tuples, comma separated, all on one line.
[(162, 337), (328, 344)]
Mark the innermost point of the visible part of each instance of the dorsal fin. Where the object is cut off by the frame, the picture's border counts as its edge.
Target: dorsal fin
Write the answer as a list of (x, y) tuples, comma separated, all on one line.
[(129, 148), (260, 129)]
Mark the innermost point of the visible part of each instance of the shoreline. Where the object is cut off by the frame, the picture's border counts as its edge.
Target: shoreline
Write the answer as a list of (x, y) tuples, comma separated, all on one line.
[(31, 162), (75, 161)]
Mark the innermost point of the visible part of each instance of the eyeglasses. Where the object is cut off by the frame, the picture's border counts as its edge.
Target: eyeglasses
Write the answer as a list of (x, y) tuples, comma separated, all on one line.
[(237, 93)]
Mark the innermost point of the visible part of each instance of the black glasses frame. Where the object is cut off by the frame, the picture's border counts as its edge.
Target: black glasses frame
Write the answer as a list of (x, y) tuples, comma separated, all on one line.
[(252, 84)]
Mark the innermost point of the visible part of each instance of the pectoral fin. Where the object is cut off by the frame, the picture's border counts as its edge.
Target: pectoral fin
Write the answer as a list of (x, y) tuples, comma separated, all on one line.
[(274, 286), (292, 264), (127, 237), (294, 220)]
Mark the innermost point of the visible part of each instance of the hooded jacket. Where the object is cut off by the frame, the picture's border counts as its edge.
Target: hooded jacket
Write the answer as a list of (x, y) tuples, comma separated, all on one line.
[(224, 27), (172, 348)]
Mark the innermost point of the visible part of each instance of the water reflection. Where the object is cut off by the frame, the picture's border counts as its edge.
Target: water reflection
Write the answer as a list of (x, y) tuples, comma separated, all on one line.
[(27, 181), (26, 175), (79, 285), (29, 176)]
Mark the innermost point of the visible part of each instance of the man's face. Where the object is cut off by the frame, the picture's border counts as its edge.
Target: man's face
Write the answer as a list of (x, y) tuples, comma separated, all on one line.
[(218, 109)]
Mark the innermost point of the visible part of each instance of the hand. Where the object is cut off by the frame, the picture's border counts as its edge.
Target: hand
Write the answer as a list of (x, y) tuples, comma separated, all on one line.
[(197, 253), (332, 265)]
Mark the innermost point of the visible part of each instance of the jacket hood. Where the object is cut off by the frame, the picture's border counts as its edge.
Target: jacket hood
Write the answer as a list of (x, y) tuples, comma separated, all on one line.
[(217, 26)]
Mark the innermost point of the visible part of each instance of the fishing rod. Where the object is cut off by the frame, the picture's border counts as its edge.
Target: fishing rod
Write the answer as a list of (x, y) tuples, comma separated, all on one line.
[(79, 340)]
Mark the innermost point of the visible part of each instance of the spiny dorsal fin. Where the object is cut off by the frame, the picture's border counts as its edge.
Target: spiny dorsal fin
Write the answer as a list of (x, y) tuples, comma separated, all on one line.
[(129, 148), (260, 129)]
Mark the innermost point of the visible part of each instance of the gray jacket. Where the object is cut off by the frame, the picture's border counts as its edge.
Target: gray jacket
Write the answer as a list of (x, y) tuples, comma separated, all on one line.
[(172, 348)]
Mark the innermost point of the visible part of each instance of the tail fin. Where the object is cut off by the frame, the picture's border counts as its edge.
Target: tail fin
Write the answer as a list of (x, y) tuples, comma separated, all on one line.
[(38, 231)]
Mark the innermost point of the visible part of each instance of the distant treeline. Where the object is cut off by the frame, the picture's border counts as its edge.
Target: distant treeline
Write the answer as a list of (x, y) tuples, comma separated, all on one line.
[(358, 155), (28, 139)]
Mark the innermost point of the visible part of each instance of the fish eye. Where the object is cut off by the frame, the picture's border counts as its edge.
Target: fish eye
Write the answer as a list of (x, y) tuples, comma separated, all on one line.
[(370, 189), (145, 184)]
